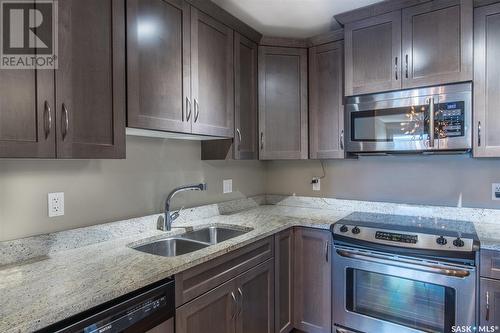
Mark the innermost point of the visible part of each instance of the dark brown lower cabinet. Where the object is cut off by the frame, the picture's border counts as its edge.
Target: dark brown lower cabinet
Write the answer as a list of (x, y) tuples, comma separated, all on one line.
[(312, 281), (214, 312), (166, 327), (283, 290), (489, 302), (255, 291), (244, 304)]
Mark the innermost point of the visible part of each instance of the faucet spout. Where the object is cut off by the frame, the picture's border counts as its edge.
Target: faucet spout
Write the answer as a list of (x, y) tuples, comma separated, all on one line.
[(170, 217)]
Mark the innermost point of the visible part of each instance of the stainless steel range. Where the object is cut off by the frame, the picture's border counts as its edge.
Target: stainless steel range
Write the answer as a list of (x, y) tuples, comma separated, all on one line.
[(403, 274)]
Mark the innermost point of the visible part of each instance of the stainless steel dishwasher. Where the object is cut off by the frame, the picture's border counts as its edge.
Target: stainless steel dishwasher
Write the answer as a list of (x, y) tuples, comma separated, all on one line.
[(150, 309)]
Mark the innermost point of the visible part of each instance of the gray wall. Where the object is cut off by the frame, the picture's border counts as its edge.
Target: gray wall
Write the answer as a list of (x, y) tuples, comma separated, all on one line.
[(98, 191), (436, 180)]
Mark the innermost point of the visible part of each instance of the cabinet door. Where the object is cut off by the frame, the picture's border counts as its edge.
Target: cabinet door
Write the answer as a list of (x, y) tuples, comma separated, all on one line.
[(256, 297), (313, 281), (373, 55), (437, 43), (245, 97), (27, 118), (213, 312), (489, 302), (326, 110), (487, 81), (90, 81), (212, 76), (158, 68), (282, 103), (283, 287)]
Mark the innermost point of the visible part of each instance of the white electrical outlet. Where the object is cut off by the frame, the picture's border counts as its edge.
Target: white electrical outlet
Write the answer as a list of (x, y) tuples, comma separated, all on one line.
[(227, 186), (316, 184), (56, 204), (495, 192)]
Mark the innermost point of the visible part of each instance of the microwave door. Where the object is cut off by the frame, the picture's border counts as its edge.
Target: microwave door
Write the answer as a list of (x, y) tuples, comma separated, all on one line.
[(393, 125)]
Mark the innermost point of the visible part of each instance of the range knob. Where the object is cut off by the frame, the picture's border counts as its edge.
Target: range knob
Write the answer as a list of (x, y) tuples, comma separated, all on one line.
[(441, 241), (344, 228), (458, 242), (356, 230)]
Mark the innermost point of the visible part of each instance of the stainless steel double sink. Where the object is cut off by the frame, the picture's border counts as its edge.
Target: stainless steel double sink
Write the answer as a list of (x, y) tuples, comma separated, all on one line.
[(190, 241)]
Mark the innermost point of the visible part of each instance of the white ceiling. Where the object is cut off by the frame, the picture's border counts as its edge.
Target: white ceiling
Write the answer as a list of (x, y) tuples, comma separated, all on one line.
[(290, 18)]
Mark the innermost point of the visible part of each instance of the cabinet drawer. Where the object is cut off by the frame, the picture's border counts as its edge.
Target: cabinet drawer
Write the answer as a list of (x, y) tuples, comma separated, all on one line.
[(202, 278), (490, 264)]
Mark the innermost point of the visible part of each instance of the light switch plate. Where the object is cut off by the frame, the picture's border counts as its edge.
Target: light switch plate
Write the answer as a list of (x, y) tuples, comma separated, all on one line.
[(317, 185), (56, 204), (227, 186), (495, 192)]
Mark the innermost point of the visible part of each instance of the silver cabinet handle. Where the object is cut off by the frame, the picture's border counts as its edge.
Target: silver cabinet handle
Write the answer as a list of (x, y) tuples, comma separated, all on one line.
[(235, 305), (65, 121), (188, 110), (326, 251), (396, 69), (261, 140), (487, 306), (48, 122), (479, 134), (240, 291), (239, 138), (431, 122), (196, 110), (407, 69), (342, 140)]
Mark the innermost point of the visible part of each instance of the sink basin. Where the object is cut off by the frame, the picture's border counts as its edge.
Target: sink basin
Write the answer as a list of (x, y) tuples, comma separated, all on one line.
[(171, 247), (213, 235)]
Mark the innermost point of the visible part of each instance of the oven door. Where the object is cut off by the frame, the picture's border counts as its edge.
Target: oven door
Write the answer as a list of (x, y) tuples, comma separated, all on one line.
[(383, 293)]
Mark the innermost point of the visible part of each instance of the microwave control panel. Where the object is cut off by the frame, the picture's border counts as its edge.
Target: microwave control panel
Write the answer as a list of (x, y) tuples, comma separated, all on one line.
[(451, 120)]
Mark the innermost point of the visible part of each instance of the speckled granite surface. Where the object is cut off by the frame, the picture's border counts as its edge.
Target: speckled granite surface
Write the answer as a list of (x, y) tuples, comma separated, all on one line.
[(49, 278)]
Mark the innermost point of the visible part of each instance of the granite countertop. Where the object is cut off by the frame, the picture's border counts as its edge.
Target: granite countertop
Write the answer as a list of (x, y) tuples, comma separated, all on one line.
[(48, 278)]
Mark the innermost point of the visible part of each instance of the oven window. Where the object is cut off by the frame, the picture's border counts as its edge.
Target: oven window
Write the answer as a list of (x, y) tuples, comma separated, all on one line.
[(390, 125), (419, 305)]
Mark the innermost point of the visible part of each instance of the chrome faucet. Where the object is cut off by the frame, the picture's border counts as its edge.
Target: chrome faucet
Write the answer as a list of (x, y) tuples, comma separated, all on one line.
[(165, 224)]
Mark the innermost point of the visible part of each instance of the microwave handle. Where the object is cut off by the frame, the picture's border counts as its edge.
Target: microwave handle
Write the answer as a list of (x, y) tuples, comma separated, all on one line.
[(431, 122)]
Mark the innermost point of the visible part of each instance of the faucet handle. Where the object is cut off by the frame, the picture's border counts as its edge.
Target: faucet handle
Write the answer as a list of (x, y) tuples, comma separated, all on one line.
[(175, 215)]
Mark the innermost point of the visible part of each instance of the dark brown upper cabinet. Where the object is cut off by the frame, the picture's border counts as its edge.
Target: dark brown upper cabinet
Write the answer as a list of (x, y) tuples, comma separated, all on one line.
[(158, 66), (88, 110), (244, 146), (180, 69), (27, 117), (283, 103), (373, 54), (486, 82), (212, 76), (326, 110), (437, 43), (245, 91), (423, 45), (90, 80)]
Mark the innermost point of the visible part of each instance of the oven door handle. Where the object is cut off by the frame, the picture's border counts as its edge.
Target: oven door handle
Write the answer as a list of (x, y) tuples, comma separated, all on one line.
[(431, 268)]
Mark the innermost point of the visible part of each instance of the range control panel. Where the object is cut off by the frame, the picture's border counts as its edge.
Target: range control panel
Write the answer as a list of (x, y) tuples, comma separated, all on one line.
[(393, 237), (404, 239)]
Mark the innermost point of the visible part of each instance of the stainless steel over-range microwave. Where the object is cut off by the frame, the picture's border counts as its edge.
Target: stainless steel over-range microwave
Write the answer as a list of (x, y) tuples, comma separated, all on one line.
[(436, 119)]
